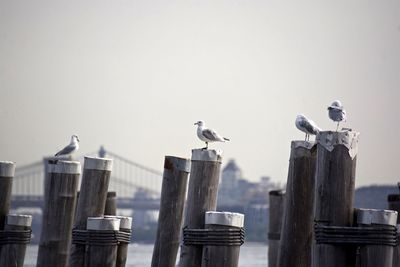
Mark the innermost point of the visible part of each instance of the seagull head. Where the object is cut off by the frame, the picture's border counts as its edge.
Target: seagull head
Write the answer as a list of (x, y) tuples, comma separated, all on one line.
[(75, 137), (300, 117), (336, 104), (199, 123)]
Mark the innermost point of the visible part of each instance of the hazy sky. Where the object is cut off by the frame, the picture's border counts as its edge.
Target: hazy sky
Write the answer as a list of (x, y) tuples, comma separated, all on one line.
[(135, 75)]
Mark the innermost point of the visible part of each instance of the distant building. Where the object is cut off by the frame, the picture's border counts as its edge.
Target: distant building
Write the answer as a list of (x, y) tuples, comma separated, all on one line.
[(236, 194), (228, 193)]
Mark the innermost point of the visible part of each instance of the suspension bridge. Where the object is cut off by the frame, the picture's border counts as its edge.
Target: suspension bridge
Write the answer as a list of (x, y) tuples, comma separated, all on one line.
[(138, 187)]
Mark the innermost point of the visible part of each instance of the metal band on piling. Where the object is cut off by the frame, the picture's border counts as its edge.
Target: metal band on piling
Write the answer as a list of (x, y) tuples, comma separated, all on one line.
[(15, 236), (14, 239), (223, 235), (217, 237), (125, 228)]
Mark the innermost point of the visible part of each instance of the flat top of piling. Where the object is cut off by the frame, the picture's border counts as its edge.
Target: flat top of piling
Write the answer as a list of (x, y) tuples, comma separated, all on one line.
[(224, 218), (393, 197), (125, 221), (6, 162), (180, 164), (200, 154), (330, 139), (7, 169), (19, 219), (96, 163), (276, 192), (65, 166), (102, 223), (302, 143), (376, 216), (111, 194)]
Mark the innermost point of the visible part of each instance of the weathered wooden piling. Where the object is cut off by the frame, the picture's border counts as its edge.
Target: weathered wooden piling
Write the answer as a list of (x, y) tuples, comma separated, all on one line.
[(202, 197), (394, 204), (122, 253), (92, 200), (276, 210), (111, 203), (223, 240), (7, 170), (379, 250), (58, 213), (173, 193), (334, 194), (298, 220), (102, 252), (13, 253)]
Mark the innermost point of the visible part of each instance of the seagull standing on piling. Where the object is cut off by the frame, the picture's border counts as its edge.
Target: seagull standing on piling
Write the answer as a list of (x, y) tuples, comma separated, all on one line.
[(307, 126), (337, 113), (69, 149), (208, 135)]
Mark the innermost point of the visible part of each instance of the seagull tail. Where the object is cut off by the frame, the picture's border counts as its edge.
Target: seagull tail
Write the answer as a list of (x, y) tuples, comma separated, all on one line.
[(226, 139)]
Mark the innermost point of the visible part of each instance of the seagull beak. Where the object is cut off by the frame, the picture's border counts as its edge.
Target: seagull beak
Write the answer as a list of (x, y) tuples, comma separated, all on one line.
[(195, 123)]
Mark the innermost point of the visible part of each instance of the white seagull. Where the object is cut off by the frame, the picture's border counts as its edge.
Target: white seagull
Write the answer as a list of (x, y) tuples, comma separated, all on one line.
[(307, 126), (71, 148), (337, 113), (208, 135)]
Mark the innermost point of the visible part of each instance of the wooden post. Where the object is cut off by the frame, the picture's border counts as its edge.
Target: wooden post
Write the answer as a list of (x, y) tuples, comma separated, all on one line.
[(7, 170), (58, 213), (222, 255), (298, 220), (14, 254), (276, 210), (105, 254), (376, 255), (394, 204), (111, 204), (92, 200), (122, 251), (202, 197), (173, 193), (334, 194)]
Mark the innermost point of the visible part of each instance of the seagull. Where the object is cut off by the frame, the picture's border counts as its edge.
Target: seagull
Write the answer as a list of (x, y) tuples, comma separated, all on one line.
[(208, 135), (71, 148), (307, 126), (337, 113)]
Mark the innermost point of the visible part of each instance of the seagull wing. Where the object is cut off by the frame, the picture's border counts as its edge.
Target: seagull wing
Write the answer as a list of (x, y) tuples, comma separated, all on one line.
[(309, 126), (211, 135), (66, 150)]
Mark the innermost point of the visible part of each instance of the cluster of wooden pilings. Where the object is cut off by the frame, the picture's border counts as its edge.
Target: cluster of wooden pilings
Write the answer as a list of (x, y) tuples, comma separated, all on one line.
[(208, 238), (15, 230), (80, 229), (314, 223), (76, 231)]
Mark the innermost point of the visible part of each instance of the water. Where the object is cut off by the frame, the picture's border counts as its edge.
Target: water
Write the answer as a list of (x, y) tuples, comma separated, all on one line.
[(251, 254)]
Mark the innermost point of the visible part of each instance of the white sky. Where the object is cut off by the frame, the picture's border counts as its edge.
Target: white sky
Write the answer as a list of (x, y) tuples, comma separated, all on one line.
[(136, 75)]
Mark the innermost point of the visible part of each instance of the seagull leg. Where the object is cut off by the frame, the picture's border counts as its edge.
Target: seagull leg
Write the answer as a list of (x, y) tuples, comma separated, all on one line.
[(205, 148)]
